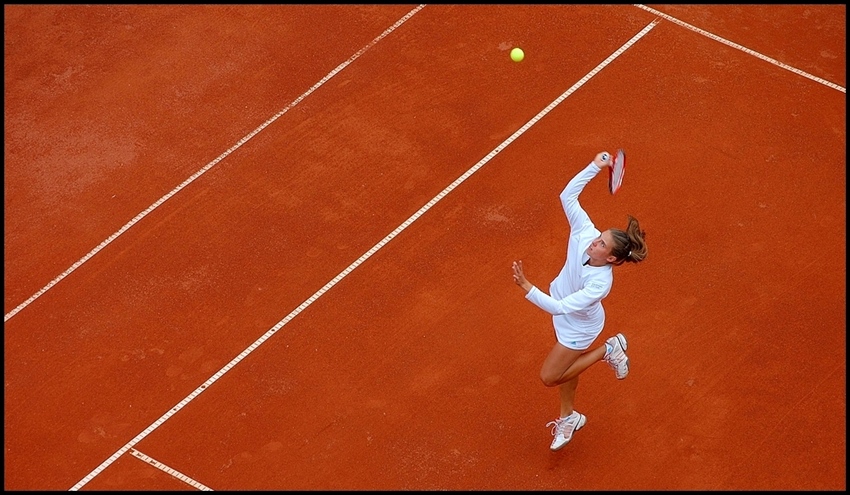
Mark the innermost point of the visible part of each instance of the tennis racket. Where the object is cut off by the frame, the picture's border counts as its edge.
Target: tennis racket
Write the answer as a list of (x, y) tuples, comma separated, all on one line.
[(616, 171)]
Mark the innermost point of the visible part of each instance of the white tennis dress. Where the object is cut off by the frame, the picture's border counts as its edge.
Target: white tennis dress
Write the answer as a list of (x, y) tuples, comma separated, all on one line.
[(576, 296)]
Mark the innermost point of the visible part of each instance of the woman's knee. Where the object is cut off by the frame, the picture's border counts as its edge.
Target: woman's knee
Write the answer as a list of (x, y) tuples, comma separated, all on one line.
[(548, 378), (557, 364)]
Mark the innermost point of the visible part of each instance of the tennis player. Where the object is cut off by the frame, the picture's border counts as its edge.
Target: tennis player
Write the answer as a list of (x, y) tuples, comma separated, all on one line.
[(575, 300)]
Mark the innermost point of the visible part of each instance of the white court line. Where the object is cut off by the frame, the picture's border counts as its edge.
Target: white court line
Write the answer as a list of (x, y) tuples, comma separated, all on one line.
[(208, 166), (173, 472), (361, 259), (743, 49)]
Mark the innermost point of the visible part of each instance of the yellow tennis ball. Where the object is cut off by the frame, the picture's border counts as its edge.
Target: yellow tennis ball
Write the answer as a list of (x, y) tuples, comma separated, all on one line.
[(517, 54)]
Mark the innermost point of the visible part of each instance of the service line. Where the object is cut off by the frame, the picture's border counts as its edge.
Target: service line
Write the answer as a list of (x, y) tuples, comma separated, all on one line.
[(361, 259), (209, 165)]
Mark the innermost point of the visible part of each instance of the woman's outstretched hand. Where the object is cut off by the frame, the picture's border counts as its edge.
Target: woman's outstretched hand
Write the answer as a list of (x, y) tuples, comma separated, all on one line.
[(519, 276), (603, 159)]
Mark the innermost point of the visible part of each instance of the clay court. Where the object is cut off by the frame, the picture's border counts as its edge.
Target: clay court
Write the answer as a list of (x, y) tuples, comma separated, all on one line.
[(269, 247)]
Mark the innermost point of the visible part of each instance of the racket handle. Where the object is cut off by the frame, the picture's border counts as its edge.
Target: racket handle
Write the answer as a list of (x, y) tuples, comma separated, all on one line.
[(605, 157)]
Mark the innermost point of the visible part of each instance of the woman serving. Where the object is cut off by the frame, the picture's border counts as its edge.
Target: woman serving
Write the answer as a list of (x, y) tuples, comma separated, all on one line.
[(575, 300)]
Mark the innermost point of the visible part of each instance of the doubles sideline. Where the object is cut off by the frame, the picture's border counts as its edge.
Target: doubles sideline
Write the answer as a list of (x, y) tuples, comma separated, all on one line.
[(209, 165)]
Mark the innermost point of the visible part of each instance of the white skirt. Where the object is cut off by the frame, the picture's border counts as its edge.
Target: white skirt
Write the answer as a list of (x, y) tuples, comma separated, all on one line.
[(578, 334)]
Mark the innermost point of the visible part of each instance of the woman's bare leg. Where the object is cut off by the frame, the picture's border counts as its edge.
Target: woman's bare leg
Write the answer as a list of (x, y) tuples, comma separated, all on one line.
[(562, 368), (567, 391), (563, 364)]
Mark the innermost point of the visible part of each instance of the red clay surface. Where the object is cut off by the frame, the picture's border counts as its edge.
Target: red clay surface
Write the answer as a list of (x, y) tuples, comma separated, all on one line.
[(419, 369)]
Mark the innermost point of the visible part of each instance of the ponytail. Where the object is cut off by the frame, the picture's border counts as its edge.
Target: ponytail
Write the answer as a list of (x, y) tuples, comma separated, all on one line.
[(630, 244)]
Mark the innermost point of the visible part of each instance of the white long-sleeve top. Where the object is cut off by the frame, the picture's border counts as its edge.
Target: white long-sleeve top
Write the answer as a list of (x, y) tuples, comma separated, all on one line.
[(576, 296)]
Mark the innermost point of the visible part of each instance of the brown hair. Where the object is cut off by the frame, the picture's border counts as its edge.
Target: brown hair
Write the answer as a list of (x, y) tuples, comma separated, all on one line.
[(630, 244)]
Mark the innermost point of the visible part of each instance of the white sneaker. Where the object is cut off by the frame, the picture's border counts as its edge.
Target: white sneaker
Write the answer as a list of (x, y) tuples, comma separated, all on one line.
[(563, 428), (615, 355)]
